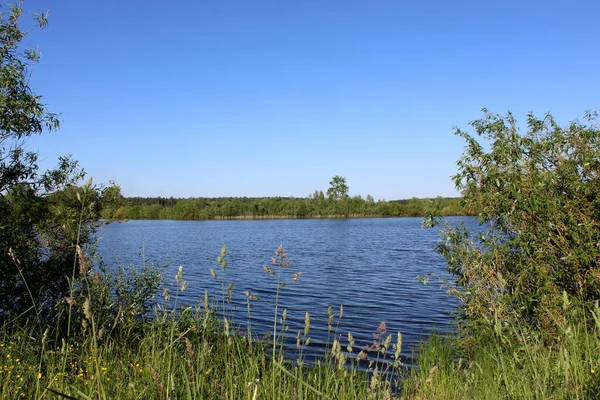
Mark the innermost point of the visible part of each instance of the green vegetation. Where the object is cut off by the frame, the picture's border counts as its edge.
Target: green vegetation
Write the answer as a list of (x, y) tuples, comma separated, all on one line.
[(530, 281), (314, 206), (337, 204), (42, 215), (337, 188), (123, 343), (538, 197), (513, 362)]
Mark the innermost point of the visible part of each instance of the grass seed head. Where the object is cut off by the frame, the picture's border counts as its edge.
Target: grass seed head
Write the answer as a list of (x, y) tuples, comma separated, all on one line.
[(306, 323)]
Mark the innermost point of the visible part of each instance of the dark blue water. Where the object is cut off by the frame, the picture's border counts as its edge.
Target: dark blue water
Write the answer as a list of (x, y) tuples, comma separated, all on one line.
[(367, 265)]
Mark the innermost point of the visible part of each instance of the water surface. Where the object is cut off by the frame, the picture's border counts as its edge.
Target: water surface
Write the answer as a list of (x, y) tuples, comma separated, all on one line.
[(366, 265)]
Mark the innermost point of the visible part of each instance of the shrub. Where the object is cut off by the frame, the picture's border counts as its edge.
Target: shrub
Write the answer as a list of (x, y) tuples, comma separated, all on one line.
[(537, 197)]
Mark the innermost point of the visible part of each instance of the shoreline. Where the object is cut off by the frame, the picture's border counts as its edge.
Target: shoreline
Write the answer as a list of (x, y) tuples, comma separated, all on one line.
[(275, 217)]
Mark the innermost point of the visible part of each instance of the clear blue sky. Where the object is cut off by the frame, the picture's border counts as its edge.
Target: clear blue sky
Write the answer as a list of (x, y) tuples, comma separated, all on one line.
[(273, 98)]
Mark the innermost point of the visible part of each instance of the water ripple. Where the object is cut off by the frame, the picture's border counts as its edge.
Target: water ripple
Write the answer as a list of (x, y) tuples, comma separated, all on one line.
[(366, 265)]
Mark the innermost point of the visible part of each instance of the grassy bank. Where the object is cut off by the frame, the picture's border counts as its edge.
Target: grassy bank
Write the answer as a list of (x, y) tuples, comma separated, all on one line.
[(194, 354), (169, 358), (512, 362)]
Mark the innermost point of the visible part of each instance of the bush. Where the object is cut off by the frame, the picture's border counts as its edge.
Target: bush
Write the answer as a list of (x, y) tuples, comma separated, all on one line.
[(115, 302), (43, 216), (537, 197)]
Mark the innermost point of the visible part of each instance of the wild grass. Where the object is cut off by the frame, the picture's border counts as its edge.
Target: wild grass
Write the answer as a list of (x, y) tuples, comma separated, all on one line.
[(110, 342), (511, 362), (180, 352), (196, 353)]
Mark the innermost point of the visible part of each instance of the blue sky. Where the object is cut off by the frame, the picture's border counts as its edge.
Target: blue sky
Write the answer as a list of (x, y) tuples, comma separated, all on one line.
[(273, 98)]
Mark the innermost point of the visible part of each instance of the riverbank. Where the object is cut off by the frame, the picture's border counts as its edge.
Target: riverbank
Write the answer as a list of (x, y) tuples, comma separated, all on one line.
[(271, 217), (170, 357)]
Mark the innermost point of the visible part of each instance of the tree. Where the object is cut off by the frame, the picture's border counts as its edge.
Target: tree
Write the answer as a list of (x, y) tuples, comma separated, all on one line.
[(337, 188), (536, 195), (41, 214), (110, 201)]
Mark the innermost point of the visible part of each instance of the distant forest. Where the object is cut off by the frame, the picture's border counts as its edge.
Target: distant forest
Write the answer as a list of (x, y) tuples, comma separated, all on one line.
[(316, 205)]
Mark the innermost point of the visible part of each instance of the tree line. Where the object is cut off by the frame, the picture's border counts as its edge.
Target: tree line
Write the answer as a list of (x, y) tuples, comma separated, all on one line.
[(316, 205), (336, 204)]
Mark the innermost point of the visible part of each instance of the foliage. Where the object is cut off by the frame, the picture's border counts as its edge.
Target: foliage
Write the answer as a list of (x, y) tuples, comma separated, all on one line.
[(183, 351), (110, 201), (537, 197), (314, 206), (121, 301), (41, 214), (337, 188), (513, 362)]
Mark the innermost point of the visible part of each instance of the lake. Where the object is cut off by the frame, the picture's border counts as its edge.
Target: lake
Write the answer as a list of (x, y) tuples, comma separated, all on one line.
[(367, 265)]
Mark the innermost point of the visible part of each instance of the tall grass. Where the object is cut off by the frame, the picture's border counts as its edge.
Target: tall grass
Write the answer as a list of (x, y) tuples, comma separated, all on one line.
[(177, 352), (512, 362), (195, 353)]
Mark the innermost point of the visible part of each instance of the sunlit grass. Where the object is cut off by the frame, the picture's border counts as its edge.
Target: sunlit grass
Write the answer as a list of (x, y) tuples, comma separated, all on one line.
[(171, 360), (511, 363), (192, 353), (195, 352)]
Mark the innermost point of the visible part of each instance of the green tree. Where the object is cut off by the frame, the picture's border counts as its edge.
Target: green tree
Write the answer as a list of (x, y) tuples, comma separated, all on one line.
[(110, 201), (536, 195), (337, 188), (41, 214)]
